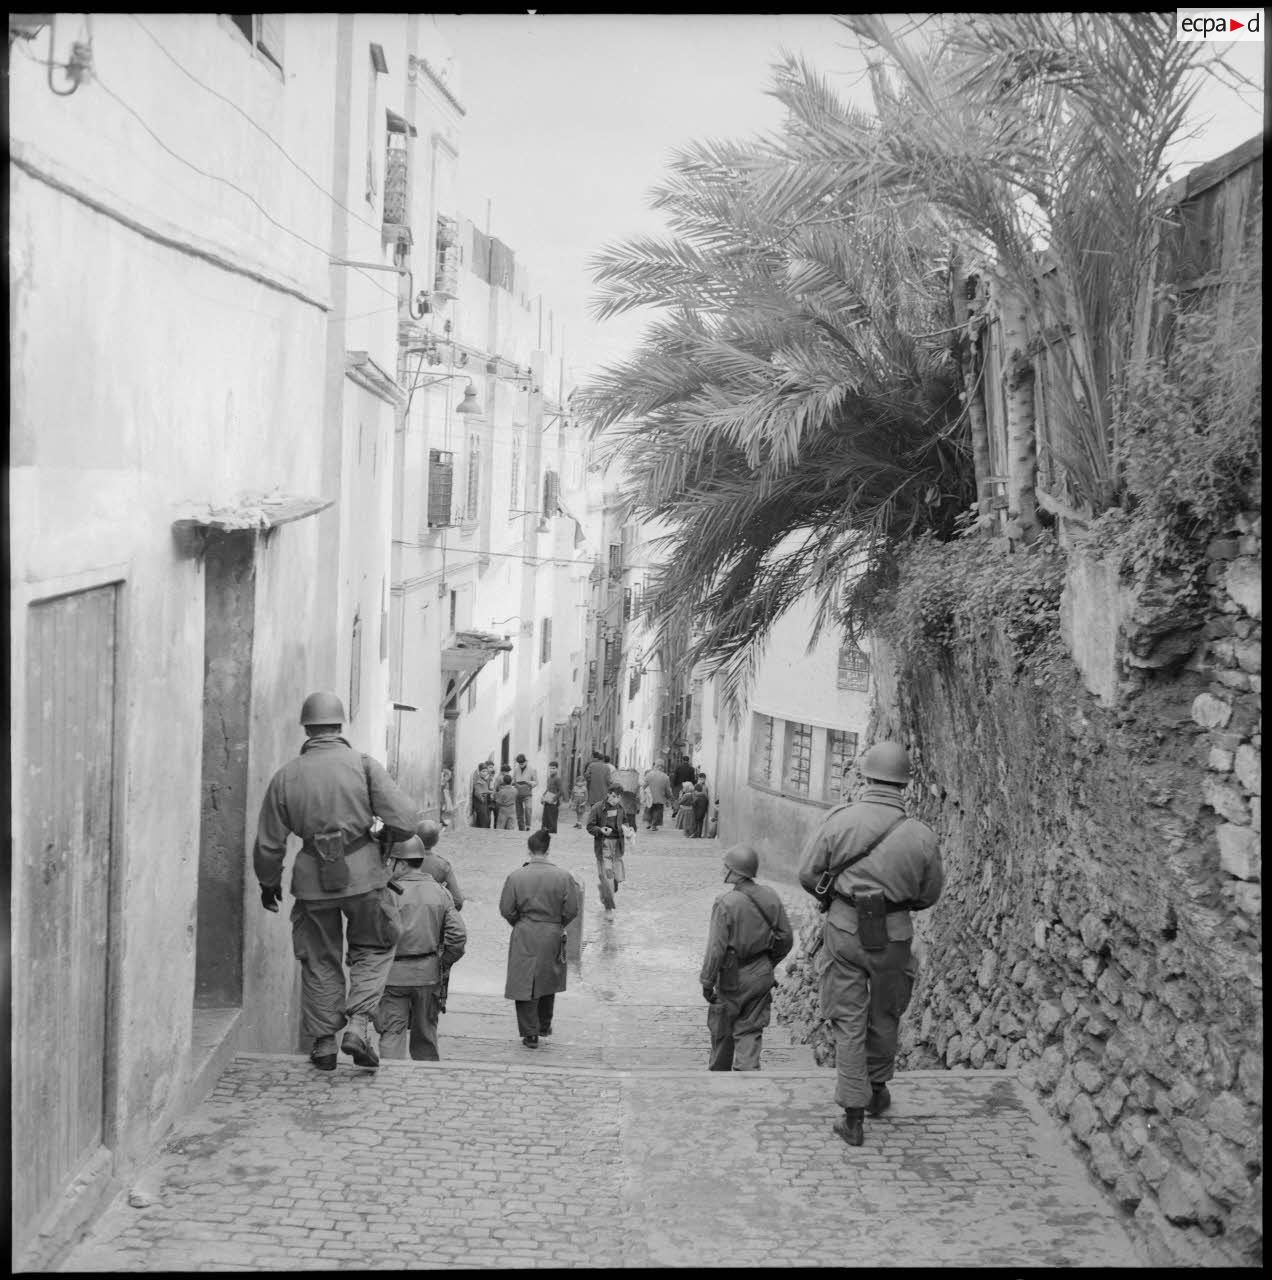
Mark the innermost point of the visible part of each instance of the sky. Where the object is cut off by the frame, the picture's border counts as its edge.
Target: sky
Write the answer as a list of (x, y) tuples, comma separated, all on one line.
[(572, 118)]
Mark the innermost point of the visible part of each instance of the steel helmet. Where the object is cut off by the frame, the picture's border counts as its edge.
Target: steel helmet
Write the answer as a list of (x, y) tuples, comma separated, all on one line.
[(322, 708), (742, 859), (886, 762)]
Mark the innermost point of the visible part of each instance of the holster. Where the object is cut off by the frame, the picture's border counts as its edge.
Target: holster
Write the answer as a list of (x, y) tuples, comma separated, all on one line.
[(872, 920), (333, 871)]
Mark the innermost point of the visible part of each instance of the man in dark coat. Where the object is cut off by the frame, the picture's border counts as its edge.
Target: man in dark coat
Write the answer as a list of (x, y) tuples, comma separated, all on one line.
[(749, 921), (433, 938), (328, 797), (597, 775), (539, 899), (660, 794), (683, 772), (870, 974)]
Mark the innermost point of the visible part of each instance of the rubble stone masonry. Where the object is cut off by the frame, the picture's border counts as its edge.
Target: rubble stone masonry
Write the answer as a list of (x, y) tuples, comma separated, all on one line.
[(1100, 927)]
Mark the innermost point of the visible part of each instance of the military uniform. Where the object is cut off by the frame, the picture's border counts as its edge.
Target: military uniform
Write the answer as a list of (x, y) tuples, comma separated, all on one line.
[(331, 790), (431, 863), (539, 899), (864, 993), (752, 919), (433, 938)]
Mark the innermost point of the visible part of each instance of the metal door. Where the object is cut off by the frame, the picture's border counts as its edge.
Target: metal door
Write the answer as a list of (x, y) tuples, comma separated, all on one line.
[(62, 924)]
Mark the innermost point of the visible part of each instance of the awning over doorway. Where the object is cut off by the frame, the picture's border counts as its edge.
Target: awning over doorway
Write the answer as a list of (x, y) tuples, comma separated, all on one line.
[(247, 512), (471, 650)]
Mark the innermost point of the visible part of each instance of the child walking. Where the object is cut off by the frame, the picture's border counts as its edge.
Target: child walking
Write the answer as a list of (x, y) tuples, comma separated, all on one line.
[(578, 799)]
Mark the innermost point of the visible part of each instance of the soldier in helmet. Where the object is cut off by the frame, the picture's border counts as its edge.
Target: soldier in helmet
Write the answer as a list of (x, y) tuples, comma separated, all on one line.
[(749, 935), (329, 796), (874, 866), (433, 938)]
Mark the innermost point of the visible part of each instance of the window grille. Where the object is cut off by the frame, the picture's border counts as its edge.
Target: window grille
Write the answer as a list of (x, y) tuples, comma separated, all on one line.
[(627, 604), (395, 186), (615, 560), (761, 748), (545, 642), (591, 678), (799, 758), (854, 667), (446, 271), (841, 751), (441, 483)]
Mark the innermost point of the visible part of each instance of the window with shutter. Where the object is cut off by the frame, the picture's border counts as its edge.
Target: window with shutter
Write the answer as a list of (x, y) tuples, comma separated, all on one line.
[(264, 32), (615, 560), (545, 643), (441, 483), (551, 493), (472, 493), (514, 489)]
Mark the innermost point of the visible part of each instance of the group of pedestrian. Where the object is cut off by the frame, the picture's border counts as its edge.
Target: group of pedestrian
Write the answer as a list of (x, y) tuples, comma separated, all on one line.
[(503, 798), (684, 792), (370, 888)]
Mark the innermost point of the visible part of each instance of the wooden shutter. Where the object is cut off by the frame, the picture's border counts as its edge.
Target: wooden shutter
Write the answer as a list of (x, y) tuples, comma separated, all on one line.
[(62, 924)]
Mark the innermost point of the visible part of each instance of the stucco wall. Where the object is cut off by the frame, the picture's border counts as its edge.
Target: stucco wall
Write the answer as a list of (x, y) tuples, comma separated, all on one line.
[(122, 419)]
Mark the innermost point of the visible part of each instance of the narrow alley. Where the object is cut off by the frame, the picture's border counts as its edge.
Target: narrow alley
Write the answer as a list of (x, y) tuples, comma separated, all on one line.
[(611, 1145)]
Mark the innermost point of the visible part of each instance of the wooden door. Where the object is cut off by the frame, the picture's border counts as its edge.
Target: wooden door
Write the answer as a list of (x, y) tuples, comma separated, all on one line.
[(62, 918)]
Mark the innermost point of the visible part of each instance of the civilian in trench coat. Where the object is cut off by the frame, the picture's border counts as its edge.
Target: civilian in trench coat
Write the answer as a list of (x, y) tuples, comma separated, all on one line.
[(539, 899)]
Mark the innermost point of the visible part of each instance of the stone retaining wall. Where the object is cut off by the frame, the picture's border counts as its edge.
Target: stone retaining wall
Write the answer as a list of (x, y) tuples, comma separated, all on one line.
[(1100, 927)]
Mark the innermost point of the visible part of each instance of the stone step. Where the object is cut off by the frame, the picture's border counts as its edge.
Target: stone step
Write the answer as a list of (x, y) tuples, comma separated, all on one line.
[(561, 1054), (596, 1024)]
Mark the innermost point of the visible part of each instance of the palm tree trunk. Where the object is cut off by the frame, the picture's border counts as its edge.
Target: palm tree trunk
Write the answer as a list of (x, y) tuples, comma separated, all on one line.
[(964, 287), (1022, 439)]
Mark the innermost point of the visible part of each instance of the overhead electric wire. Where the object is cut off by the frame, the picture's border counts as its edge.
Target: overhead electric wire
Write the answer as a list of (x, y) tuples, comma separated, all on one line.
[(260, 128), (326, 252)]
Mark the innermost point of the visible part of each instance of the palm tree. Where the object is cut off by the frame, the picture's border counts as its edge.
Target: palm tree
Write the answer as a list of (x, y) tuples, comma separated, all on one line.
[(796, 409), (1029, 132)]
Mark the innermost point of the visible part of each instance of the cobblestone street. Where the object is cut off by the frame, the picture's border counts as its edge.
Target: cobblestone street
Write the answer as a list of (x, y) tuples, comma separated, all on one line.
[(610, 1146)]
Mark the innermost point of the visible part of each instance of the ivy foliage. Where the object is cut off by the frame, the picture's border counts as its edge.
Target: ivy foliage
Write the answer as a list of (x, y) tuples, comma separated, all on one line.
[(1189, 432), (949, 594)]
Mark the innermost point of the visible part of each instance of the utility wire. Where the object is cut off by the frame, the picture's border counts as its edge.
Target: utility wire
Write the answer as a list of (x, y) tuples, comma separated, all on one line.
[(326, 253), (259, 128)]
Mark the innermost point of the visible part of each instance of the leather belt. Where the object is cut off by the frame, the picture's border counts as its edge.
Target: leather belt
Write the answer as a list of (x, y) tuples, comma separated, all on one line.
[(416, 955), (890, 908), (361, 842)]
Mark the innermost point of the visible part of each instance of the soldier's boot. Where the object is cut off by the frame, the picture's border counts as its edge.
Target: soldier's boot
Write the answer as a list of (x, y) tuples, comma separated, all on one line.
[(357, 1042), (850, 1126), (323, 1054), (880, 1100)]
